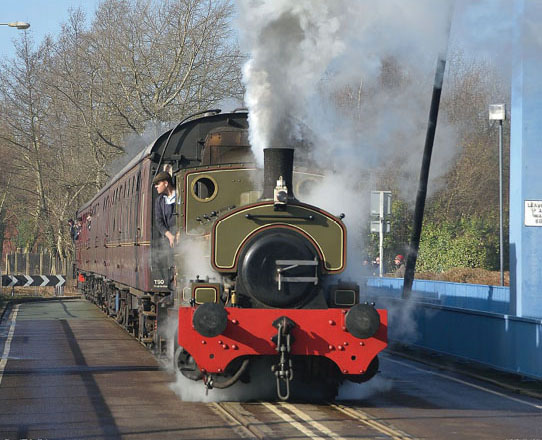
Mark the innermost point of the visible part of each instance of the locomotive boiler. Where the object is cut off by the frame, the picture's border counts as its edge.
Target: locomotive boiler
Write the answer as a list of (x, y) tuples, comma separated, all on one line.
[(270, 286)]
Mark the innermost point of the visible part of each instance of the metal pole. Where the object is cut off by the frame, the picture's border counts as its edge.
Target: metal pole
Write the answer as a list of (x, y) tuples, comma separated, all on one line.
[(412, 255), (381, 238), (424, 177), (501, 235)]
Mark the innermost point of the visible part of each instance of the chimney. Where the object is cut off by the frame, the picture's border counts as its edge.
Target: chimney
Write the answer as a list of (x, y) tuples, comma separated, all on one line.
[(277, 162)]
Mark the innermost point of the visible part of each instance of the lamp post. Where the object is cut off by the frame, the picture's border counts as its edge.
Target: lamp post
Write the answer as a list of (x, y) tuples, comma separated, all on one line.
[(17, 24), (497, 112)]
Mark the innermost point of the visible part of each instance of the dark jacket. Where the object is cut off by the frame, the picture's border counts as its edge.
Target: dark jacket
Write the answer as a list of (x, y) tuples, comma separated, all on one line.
[(163, 215)]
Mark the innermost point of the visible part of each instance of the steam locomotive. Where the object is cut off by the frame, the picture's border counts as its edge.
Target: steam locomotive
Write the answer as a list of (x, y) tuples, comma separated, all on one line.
[(272, 288)]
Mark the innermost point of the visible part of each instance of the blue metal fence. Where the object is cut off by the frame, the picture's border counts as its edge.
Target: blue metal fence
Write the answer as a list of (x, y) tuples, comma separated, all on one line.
[(480, 297), (469, 321)]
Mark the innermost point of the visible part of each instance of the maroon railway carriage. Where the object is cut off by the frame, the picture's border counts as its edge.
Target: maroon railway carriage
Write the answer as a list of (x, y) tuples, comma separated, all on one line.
[(119, 250)]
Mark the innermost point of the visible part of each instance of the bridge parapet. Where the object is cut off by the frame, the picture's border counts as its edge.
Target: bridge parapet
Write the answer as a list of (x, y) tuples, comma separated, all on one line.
[(468, 321), (494, 299)]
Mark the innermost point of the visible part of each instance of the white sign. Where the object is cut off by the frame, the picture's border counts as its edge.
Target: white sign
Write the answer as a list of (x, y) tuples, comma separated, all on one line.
[(533, 212)]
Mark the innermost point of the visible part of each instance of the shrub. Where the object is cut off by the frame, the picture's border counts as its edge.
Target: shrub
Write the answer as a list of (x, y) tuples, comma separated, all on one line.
[(469, 242)]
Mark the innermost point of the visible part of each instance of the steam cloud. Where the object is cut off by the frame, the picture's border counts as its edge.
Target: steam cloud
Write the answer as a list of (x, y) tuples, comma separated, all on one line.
[(353, 81), (292, 44), (302, 52)]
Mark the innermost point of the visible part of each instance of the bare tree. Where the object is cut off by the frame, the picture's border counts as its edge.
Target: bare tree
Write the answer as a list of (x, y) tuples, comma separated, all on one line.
[(142, 62), (472, 184), (23, 111), (68, 107), (158, 61)]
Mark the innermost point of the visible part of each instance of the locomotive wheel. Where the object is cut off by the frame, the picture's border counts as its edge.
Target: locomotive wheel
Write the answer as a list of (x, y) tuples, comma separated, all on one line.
[(133, 323), (121, 314), (185, 363), (141, 325), (110, 302)]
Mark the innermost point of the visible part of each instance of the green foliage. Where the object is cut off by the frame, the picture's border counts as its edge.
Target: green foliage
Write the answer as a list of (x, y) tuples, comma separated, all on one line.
[(469, 242)]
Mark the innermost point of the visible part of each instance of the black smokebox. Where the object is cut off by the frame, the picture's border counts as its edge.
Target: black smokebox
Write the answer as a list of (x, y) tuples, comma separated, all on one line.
[(277, 162)]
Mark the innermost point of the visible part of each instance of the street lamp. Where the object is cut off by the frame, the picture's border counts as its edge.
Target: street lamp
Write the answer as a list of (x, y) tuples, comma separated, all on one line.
[(17, 24), (497, 112)]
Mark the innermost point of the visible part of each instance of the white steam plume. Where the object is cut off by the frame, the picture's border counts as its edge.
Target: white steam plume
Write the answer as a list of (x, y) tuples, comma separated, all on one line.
[(295, 47), (362, 391), (135, 143), (291, 45), (306, 56), (194, 254)]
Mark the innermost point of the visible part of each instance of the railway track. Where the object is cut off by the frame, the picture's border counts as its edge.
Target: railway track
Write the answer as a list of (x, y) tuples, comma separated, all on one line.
[(266, 420), (62, 362)]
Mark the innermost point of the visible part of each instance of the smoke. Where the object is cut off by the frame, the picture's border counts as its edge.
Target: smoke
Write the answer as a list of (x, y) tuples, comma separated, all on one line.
[(362, 391), (351, 81), (134, 143), (401, 314), (291, 45), (303, 55), (194, 256)]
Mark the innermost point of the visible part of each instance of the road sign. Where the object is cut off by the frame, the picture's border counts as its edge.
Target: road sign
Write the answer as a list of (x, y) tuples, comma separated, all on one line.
[(380, 204), (33, 280), (380, 220), (375, 226)]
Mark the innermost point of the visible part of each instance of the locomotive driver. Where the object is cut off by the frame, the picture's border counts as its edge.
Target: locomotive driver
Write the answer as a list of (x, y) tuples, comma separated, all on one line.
[(165, 206)]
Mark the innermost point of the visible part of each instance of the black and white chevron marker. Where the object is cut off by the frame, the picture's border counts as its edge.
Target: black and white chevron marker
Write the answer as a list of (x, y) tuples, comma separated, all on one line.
[(33, 280)]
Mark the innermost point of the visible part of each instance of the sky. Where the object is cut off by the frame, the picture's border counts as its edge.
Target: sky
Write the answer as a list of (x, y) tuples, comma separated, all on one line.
[(473, 20), (45, 17)]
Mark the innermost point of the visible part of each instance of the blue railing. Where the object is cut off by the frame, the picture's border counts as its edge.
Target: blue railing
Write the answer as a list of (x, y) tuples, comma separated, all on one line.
[(469, 321), (480, 297)]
